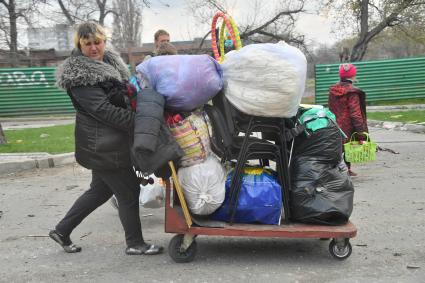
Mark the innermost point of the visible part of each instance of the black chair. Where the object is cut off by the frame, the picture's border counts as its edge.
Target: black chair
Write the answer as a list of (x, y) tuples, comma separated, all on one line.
[(278, 130), (269, 127), (229, 147)]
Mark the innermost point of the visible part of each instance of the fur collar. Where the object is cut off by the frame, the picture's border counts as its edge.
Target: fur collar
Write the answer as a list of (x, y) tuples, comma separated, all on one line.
[(79, 70)]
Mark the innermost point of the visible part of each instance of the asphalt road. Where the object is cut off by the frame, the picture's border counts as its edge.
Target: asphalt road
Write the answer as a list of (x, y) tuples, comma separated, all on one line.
[(389, 247)]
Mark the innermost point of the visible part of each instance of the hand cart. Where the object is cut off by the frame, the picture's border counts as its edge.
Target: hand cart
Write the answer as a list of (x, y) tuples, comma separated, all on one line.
[(183, 247)]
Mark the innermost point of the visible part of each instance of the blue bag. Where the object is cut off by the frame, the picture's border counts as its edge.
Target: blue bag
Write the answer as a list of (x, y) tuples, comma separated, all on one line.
[(260, 198), (186, 81)]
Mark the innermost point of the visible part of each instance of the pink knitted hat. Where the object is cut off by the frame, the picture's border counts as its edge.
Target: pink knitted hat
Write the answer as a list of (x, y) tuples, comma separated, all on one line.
[(347, 71)]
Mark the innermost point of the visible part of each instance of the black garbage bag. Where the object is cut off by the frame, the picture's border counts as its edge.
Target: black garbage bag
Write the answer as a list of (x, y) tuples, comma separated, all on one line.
[(324, 144), (321, 193)]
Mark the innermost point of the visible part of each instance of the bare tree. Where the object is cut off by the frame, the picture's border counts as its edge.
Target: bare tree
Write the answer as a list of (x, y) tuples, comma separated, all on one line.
[(369, 18), (97, 10), (77, 10), (10, 28), (127, 26), (11, 11), (393, 43), (322, 54), (262, 24)]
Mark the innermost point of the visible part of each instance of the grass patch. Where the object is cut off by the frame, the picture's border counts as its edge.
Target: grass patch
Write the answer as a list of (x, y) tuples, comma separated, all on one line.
[(397, 102), (307, 100), (409, 116), (60, 139), (56, 139)]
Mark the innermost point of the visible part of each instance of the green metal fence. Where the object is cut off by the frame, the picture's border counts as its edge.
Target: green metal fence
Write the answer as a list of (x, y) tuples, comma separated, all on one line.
[(31, 91), (381, 80)]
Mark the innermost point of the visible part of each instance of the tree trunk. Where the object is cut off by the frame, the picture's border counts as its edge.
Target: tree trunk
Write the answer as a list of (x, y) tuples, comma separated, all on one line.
[(68, 16), (13, 34), (2, 136), (366, 35), (102, 11), (359, 49)]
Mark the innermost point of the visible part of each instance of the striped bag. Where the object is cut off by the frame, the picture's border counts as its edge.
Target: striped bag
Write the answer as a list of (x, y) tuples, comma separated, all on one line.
[(192, 134)]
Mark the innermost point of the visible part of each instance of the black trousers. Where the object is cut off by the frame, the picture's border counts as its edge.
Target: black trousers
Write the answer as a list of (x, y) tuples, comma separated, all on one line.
[(125, 186)]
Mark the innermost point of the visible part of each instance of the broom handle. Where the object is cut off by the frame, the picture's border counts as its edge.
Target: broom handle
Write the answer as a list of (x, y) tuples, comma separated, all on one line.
[(176, 185)]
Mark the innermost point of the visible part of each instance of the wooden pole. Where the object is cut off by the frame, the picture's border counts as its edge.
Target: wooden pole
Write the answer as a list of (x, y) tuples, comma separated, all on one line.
[(177, 186)]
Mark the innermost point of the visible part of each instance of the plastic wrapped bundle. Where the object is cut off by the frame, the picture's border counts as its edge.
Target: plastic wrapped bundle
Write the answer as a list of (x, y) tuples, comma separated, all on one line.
[(186, 81), (324, 144), (152, 195), (203, 186), (321, 193), (265, 79)]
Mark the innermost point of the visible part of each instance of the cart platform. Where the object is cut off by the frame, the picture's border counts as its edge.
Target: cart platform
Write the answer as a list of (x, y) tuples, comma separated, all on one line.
[(182, 247)]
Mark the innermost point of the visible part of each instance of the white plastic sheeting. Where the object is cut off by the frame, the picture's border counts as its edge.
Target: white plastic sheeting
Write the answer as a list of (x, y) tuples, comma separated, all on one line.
[(152, 195), (265, 79), (203, 185)]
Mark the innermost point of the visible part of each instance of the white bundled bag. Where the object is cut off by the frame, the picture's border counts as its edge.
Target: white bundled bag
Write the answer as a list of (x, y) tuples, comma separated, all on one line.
[(152, 195), (203, 185), (265, 79)]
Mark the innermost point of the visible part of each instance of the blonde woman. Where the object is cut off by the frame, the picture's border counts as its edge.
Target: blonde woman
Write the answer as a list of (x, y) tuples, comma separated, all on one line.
[(102, 132)]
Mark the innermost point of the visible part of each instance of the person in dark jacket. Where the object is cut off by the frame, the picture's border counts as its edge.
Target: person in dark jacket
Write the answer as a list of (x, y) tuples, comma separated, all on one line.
[(348, 103), (102, 137)]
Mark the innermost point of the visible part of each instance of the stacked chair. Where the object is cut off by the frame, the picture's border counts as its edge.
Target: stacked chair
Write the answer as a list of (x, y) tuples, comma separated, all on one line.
[(228, 123)]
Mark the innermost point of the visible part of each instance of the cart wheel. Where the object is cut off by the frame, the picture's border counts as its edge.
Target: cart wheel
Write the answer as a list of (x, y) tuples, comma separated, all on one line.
[(340, 253), (176, 253)]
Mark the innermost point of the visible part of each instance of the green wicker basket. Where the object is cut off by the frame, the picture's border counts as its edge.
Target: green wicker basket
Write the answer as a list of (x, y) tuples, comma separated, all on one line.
[(358, 152)]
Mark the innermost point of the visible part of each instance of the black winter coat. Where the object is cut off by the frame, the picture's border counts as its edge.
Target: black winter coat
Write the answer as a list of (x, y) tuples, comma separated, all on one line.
[(153, 144), (102, 130)]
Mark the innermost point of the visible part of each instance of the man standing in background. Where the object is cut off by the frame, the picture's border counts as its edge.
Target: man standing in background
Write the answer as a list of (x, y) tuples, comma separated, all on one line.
[(160, 36)]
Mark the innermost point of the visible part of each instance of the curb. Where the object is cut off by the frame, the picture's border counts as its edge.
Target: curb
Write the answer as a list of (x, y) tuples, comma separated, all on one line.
[(398, 126), (395, 108), (17, 162), (27, 124), (37, 118)]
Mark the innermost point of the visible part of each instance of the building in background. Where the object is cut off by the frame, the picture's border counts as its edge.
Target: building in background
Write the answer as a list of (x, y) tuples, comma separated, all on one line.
[(135, 55), (59, 37), (50, 46)]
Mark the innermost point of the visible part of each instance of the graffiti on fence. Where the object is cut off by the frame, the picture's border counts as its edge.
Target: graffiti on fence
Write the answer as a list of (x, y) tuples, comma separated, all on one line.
[(21, 79)]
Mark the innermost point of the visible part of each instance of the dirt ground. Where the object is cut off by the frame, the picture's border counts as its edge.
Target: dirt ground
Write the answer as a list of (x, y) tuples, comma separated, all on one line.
[(389, 247)]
